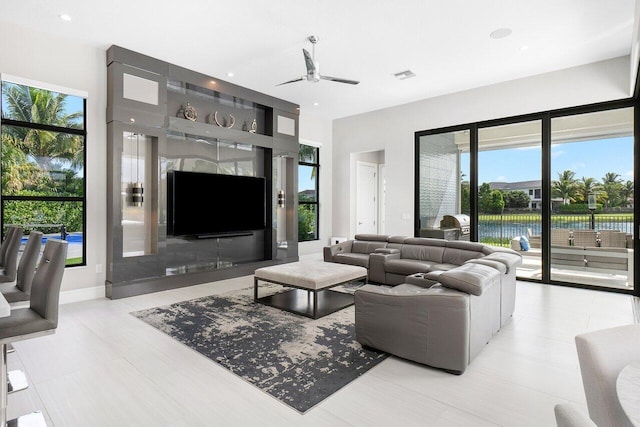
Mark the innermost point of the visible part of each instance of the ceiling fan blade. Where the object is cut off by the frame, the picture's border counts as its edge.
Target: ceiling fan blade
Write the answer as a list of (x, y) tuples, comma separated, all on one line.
[(311, 66), (299, 79), (339, 80)]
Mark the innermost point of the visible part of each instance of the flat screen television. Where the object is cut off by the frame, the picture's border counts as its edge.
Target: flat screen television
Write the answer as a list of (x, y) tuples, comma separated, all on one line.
[(203, 204)]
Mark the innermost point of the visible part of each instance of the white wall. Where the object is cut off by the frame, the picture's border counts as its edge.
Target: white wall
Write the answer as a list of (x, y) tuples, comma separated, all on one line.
[(46, 59), (392, 129)]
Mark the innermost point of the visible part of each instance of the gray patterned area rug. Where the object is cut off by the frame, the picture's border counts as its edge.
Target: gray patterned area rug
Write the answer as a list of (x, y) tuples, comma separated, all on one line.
[(299, 361)]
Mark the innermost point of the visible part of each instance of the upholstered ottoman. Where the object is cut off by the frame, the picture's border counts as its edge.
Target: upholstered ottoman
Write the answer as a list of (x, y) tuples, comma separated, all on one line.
[(311, 280)]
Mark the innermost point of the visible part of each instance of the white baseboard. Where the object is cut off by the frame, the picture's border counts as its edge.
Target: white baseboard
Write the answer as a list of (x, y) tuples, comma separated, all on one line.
[(85, 294)]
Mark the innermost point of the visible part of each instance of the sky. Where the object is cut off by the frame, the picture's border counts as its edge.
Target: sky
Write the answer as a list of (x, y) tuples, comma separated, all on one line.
[(589, 159)]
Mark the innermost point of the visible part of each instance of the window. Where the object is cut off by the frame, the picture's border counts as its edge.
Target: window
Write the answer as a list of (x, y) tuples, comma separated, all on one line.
[(43, 164), (308, 167)]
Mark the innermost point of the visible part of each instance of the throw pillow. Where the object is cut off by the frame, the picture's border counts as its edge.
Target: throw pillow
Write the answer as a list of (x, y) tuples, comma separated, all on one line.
[(524, 243)]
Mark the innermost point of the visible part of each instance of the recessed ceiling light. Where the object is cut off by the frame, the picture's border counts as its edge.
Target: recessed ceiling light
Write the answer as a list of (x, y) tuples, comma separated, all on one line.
[(404, 74), (315, 104), (230, 74), (65, 17), (524, 47), (501, 33)]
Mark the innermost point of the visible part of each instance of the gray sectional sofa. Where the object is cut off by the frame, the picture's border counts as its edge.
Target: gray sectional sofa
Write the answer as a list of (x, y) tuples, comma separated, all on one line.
[(448, 299)]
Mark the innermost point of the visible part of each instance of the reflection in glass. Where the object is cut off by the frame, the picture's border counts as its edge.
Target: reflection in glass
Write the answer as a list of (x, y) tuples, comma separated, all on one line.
[(443, 179)]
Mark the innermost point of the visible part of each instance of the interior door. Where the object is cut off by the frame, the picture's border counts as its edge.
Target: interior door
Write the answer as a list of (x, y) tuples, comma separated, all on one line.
[(366, 196)]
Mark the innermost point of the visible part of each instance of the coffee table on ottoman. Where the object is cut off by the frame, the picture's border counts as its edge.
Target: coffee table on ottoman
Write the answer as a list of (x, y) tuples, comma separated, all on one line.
[(311, 280)]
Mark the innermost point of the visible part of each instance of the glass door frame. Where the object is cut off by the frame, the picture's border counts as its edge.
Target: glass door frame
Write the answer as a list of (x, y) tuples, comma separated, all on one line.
[(545, 118)]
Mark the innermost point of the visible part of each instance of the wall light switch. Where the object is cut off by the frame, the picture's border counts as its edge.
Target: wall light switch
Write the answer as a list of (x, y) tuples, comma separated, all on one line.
[(98, 268), (406, 216)]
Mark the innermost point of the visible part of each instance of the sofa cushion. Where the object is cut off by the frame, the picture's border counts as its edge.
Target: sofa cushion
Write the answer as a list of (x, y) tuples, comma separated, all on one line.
[(397, 239), (470, 278), (471, 246), (387, 251), (366, 247), (371, 237), (491, 263), (361, 260), (422, 253), (406, 267), (510, 259), (443, 267), (459, 256), (425, 241)]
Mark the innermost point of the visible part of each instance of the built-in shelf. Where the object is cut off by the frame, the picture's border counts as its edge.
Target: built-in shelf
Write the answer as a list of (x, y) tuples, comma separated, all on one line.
[(206, 130)]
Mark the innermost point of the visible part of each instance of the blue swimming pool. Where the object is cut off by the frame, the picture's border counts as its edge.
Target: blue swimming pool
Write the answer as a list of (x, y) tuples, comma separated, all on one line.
[(71, 238)]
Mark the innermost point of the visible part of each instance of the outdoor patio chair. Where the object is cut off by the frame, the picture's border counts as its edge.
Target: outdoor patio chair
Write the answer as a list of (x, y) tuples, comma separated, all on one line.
[(560, 237), (613, 239), (585, 238)]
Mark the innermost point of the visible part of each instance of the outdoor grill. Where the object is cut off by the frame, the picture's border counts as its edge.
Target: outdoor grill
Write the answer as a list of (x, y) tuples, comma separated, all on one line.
[(460, 223)]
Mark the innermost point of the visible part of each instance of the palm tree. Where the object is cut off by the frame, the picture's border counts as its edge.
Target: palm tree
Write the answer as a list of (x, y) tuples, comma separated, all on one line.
[(627, 191), (612, 185), (587, 186), (565, 187), (33, 105)]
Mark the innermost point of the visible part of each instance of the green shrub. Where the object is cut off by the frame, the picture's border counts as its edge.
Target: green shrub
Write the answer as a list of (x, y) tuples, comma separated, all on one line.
[(578, 208)]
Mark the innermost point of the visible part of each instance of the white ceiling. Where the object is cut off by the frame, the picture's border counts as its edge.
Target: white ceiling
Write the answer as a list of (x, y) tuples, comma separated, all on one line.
[(445, 43)]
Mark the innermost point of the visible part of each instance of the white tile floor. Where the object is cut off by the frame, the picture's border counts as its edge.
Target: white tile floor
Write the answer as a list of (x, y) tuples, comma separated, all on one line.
[(103, 367)]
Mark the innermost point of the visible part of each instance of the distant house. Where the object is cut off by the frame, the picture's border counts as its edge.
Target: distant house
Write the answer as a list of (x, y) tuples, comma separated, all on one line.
[(532, 188)]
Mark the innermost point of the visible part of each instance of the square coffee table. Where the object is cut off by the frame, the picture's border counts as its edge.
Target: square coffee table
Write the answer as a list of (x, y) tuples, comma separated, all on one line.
[(311, 280)]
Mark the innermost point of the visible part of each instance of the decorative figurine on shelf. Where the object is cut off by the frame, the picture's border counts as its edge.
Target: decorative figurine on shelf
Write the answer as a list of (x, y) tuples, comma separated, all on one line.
[(254, 126), (188, 112), (223, 124), (244, 126)]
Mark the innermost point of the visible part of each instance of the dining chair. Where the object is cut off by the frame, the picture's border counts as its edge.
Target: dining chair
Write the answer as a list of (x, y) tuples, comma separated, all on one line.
[(568, 416), (602, 355), (41, 317), (9, 249), (20, 290)]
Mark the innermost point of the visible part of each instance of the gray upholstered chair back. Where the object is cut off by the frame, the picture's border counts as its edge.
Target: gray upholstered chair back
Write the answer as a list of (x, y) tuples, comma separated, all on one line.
[(45, 289), (28, 261), (9, 253)]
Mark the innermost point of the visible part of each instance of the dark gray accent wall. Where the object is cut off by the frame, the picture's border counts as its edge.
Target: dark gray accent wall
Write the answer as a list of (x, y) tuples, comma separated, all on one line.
[(148, 137)]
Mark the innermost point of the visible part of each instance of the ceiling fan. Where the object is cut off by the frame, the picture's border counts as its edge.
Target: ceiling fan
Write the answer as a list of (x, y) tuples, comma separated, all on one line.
[(313, 69)]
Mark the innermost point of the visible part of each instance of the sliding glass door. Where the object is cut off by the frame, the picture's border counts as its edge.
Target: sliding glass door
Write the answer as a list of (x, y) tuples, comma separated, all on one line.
[(510, 191), (592, 186), (557, 187)]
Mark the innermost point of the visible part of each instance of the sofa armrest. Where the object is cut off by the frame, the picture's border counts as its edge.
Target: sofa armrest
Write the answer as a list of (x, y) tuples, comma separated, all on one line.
[(387, 251), (330, 251), (377, 273)]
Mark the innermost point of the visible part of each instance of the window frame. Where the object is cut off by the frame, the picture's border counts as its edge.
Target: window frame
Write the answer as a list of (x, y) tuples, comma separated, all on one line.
[(52, 128), (315, 203)]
